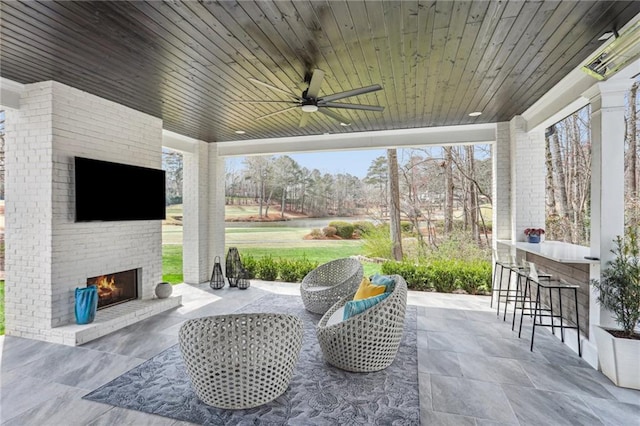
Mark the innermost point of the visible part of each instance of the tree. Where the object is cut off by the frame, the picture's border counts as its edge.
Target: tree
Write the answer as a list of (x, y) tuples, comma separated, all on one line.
[(172, 163), (394, 197), (449, 187), (259, 171), (378, 176)]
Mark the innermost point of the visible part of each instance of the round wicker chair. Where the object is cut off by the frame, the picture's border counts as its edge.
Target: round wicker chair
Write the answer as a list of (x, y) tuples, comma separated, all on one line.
[(330, 282), (368, 341), (241, 360)]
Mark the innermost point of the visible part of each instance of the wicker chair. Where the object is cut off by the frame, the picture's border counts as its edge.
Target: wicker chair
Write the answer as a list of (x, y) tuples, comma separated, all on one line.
[(368, 341), (330, 282), (241, 360)]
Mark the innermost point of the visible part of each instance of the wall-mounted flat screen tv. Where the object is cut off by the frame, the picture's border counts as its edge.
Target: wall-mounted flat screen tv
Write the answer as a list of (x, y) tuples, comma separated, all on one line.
[(108, 191)]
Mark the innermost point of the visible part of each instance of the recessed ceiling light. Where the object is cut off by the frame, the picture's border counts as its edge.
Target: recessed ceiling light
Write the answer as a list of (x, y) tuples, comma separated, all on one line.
[(606, 36), (345, 124), (475, 114), (309, 108), (240, 132)]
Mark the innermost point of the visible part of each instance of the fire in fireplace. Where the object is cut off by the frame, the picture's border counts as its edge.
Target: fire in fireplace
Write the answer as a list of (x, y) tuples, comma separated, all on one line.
[(115, 288)]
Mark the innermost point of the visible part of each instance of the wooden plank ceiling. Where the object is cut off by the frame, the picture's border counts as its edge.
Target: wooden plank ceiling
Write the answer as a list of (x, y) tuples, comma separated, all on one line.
[(187, 62)]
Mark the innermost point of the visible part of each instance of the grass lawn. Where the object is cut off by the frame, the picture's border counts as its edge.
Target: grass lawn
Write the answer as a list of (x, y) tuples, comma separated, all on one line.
[(172, 263)]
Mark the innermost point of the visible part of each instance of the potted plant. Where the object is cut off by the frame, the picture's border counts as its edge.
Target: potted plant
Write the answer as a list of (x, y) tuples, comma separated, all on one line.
[(619, 292), (533, 234)]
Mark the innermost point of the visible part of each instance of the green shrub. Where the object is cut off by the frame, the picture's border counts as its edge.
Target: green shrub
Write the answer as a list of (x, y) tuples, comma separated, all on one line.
[(266, 269), (316, 234), (343, 229), (444, 276), (294, 270), (362, 227), (250, 265), (377, 242), (329, 231)]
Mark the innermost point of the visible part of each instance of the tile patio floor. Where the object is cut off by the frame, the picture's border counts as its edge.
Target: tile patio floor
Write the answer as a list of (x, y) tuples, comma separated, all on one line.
[(473, 370)]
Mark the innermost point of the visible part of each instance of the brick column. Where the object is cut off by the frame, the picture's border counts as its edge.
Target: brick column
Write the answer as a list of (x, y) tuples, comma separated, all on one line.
[(195, 261), (216, 205), (527, 178), (501, 184)]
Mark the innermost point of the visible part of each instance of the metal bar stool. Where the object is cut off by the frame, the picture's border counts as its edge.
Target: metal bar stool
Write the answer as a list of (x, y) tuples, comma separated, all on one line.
[(523, 293), (541, 312), (503, 264)]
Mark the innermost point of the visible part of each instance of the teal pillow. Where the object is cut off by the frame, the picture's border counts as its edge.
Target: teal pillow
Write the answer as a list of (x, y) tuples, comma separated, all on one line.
[(384, 280), (355, 307)]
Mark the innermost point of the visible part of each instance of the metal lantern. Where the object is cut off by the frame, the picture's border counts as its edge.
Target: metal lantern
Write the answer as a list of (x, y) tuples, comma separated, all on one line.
[(243, 282), (233, 266), (217, 279)]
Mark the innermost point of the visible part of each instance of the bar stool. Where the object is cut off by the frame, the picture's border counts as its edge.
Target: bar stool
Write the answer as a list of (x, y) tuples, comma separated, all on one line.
[(503, 264), (523, 293), (540, 312)]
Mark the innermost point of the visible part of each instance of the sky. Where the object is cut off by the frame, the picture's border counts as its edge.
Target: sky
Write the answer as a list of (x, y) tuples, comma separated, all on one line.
[(355, 163)]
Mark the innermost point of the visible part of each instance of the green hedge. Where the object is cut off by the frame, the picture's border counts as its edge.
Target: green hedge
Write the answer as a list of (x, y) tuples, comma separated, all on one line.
[(343, 229), (269, 269), (444, 276)]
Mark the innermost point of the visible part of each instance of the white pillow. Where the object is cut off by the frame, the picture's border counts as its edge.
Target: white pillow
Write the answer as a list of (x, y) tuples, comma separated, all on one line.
[(336, 317)]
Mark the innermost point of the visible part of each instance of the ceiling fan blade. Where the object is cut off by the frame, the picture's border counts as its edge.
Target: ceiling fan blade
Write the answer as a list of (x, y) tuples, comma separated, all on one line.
[(274, 88), (304, 119), (351, 106), (314, 84), (266, 102), (349, 93), (335, 116), (276, 113)]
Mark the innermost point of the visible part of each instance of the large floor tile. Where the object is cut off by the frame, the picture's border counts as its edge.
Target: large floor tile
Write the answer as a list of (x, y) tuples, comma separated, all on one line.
[(492, 369), (20, 393), (614, 413), (508, 348), (136, 345), (65, 409), (123, 417), (572, 380), (540, 407), (430, 417), (439, 362), (470, 398), (445, 341)]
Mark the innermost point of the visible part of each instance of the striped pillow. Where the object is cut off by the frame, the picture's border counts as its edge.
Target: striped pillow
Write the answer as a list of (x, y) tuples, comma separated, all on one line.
[(355, 307)]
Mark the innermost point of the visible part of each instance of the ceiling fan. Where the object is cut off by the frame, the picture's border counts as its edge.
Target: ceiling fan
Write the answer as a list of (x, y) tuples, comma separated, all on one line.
[(310, 101)]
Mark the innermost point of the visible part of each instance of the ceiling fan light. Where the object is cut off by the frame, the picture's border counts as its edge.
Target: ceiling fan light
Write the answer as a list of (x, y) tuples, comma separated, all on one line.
[(309, 108)]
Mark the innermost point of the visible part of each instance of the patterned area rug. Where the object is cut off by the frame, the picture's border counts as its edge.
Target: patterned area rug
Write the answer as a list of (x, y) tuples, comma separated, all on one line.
[(319, 394)]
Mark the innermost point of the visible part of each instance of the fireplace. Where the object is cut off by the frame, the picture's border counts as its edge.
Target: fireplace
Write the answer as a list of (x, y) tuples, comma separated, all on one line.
[(115, 288)]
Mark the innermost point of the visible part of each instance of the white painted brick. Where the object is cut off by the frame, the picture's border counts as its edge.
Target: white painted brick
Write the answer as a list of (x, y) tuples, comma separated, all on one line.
[(47, 254)]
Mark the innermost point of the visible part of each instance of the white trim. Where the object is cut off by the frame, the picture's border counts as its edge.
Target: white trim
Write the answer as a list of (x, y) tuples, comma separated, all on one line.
[(10, 92), (179, 142), (446, 135)]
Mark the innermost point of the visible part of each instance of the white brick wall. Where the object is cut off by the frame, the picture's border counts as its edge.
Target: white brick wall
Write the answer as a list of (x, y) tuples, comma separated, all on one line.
[(527, 190), (48, 255), (195, 203), (501, 183)]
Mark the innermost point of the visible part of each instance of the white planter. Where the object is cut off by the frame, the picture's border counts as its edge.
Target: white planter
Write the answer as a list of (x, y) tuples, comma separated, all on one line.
[(163, 290), (619, 358)]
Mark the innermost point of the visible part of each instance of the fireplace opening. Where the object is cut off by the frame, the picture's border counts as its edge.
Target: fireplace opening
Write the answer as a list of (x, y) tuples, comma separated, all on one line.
[(115, 288)]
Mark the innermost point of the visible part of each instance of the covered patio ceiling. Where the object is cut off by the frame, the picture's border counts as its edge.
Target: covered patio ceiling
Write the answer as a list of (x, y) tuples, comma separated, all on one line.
[(187, 62)]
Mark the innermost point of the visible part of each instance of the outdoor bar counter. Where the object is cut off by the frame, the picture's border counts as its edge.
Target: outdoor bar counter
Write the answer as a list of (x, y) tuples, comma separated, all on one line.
[(563, 261)]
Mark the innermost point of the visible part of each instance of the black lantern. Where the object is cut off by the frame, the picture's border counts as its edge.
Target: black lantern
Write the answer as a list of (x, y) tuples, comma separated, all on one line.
[(233, 266), (217, 279), (243, 282)]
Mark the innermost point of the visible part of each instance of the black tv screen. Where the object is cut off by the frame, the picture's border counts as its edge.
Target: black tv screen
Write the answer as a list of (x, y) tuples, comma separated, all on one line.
[(108, 191)]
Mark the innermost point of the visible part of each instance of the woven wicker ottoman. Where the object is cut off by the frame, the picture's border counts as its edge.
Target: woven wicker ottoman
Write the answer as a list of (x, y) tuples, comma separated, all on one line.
[(329, 283), (368, 341), (241, 360)]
